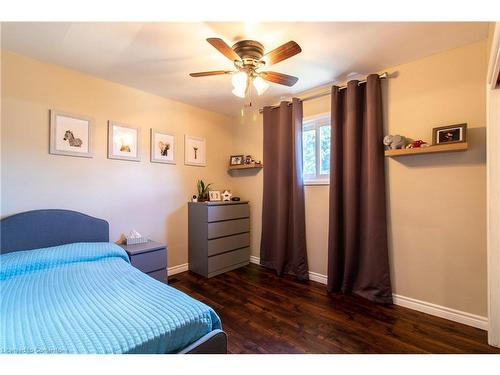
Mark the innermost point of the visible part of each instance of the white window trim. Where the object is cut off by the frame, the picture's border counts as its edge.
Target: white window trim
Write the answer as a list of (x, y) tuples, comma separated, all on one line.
[(315, 122), (316, 182)]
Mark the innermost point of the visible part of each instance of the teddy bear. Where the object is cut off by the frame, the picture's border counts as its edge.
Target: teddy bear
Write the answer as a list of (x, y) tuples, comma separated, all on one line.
[(395, 141)]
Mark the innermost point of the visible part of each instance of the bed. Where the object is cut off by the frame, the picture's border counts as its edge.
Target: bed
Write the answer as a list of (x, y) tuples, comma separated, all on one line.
[(66, 289)]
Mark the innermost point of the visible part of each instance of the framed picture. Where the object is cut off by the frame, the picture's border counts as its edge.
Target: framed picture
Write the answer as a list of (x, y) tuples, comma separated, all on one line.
[(163, 147), (123, 142), (70, 134), (194, 151), (449, 134), (236, 159), (214, 195)]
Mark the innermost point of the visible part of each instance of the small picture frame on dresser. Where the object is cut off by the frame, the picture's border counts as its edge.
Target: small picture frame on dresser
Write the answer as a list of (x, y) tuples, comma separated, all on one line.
[(214, 196)]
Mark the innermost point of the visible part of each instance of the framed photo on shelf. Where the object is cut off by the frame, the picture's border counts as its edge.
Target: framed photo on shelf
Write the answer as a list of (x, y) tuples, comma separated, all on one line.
[(123, 142), (70, 134), (236, 160), (214, 196), (449, 134), (163, 147), (195, 151)]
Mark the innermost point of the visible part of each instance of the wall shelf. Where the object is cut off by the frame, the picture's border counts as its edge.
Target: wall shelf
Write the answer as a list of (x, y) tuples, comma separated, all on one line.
[(246, 166), (452, 147)]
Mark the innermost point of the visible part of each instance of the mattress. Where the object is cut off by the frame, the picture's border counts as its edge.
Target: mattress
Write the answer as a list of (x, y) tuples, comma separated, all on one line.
[(87, 298)]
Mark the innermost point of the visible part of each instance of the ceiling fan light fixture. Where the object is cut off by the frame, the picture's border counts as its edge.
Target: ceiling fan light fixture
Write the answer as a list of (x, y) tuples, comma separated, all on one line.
[(239, 93), (260, 85), (240, 81)]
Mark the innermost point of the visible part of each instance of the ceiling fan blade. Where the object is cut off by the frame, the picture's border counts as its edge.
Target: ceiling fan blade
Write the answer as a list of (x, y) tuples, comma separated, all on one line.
[(212, 73), (281, 53), (282, 79), (223, 48)]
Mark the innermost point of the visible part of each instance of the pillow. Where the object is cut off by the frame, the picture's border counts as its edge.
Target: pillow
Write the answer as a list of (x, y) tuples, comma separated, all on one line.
[(22, 262)]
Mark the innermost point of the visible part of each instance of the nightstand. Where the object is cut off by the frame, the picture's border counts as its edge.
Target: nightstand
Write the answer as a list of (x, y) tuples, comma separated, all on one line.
[(150, 258)]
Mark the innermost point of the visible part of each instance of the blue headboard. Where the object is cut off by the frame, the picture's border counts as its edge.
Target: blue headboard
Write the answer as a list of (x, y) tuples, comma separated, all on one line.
[(44, 228)]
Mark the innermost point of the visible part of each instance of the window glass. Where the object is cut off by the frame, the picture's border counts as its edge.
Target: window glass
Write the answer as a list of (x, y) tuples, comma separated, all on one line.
[(309, 152), (316, 149), (324, 151)]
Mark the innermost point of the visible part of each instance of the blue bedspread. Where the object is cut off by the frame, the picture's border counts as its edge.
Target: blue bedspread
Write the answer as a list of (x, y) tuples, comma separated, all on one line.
[(87, 298)]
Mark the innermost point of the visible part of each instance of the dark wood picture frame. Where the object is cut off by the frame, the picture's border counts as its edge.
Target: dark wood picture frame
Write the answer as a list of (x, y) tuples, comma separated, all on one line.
[(242, 159), (436, 131)]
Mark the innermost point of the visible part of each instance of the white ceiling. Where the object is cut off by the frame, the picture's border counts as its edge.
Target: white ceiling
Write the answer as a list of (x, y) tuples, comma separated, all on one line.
[(157, 57)]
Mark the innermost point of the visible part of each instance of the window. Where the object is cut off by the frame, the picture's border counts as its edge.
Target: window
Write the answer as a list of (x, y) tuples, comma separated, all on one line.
[(316, 149)]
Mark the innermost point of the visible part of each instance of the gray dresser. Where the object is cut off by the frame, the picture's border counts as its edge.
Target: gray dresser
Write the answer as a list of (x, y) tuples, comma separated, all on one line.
[(219, 236)]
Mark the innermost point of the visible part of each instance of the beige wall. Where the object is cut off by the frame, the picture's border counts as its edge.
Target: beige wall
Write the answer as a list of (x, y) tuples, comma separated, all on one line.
[(147, 196), (436, 203)]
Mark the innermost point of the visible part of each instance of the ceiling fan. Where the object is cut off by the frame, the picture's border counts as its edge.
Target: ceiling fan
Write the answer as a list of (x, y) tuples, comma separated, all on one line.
[(248, 58)]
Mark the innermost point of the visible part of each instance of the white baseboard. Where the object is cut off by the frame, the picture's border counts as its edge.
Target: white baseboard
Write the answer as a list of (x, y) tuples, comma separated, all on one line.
[(313, 276), (463, 317), (319, 278), (477, 321), (177, 269), (255, 260)]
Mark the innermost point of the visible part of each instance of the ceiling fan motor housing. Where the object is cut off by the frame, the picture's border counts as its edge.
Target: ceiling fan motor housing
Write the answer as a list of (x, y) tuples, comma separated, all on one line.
[(249, 49)]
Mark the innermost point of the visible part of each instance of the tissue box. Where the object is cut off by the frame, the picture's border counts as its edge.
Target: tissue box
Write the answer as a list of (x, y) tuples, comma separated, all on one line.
[(134, 241)]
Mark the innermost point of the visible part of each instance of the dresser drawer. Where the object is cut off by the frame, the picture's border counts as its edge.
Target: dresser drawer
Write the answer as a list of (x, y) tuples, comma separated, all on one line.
[(224, 244), (226, 260), (228, 212), (160, 275), (227, 228), (151, 261)]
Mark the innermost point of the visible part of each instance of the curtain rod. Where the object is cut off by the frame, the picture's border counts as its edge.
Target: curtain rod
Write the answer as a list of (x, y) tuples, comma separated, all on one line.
[(326, 93)]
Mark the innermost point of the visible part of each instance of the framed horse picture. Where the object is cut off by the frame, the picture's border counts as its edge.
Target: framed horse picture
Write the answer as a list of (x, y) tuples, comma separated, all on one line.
[(123, 142), (70, 134)]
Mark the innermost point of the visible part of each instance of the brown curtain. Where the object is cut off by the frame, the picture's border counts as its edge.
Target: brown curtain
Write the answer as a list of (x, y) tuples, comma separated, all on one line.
[(357, 240), (283, 241)]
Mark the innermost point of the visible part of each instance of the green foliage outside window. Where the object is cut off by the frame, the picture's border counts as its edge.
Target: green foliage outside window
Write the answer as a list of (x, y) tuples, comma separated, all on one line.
[(309, 152), (316, 151), (324, 151)]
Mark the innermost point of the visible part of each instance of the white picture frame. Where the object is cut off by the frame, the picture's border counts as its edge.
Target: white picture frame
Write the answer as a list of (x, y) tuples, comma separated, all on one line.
[(70, 134), (195, 151), (123, 142), (163, 147), (214, 196)]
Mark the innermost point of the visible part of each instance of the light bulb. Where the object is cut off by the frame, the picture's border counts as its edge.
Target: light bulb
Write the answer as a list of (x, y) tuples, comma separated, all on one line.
[(239, 81), (240, 93), (260, 85)]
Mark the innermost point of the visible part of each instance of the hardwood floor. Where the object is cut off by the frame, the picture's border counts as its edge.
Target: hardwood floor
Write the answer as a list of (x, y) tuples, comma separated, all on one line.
[(262, 313)]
